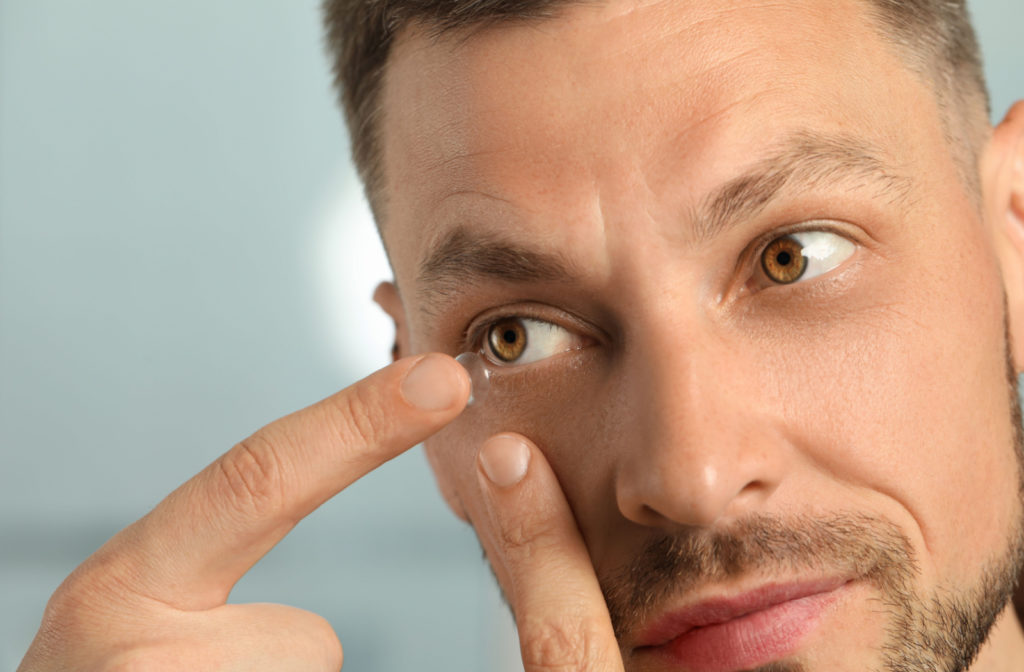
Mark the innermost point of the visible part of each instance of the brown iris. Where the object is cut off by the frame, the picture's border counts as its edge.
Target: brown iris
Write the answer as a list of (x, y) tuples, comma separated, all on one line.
[(507, 339), (783, 260)]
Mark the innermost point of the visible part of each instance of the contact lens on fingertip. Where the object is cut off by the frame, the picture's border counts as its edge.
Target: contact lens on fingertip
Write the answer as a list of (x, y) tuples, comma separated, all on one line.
[(479, 376)]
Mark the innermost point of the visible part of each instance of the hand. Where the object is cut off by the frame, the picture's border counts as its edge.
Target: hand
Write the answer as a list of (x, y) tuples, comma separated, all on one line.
[(538, 554), (153, 598)]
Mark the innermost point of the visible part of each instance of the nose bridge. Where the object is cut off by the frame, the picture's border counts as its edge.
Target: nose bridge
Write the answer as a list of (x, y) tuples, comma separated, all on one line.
[(704, 446), (689, 376)]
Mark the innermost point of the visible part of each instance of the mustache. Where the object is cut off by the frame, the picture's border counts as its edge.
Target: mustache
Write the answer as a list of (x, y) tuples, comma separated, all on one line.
[(671, 566)]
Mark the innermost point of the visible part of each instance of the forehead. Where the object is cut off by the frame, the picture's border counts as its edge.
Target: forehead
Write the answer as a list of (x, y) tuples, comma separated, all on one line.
[(609, 100)]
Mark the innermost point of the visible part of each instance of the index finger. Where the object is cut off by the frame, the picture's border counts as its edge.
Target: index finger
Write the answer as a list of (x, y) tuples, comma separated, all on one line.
[(195, 545)]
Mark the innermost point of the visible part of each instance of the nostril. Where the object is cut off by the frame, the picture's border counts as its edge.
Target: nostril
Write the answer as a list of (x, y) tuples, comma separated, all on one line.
[(652, 516), (751, 496)]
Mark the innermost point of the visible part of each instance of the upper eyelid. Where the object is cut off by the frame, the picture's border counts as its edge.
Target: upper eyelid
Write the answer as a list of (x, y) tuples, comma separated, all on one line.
[(757, 246), (474, 333), (765, 239)]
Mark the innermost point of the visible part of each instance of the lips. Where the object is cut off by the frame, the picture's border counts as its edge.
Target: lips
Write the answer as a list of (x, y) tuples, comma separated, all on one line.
[(744, 631)]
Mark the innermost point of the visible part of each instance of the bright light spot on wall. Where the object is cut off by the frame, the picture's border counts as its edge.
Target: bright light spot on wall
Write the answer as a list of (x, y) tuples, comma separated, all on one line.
[(351, 263)]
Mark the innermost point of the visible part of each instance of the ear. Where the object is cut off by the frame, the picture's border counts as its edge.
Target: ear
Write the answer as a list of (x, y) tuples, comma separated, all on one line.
[(1003, 180), (386, 296)]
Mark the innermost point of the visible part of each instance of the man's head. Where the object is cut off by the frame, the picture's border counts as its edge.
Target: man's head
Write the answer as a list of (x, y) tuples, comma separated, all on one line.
[(762, 260)]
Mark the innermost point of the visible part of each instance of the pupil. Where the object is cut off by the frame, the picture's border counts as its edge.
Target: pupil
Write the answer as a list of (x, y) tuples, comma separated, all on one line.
[(509, 336), (784, 258)]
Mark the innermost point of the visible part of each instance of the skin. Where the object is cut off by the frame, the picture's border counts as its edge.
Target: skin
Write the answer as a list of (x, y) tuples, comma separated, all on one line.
[(700, 395)]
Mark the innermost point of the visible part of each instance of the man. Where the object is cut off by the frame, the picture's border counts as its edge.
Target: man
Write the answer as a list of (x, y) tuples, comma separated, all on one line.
[(749, 282)]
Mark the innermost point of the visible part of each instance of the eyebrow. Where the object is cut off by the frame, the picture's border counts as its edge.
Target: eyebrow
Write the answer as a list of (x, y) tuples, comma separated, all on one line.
[(807, 161), (804, 161), (463, 256)]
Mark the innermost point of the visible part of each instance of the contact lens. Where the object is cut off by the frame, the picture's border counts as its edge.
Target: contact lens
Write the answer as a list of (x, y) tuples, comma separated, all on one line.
[(479, 376)]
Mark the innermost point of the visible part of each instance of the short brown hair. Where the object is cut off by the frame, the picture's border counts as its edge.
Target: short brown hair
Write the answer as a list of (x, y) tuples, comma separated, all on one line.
[(935, 37)]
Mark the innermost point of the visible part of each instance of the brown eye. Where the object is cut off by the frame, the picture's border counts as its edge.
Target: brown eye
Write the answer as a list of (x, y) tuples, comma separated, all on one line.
[(783, 260), (507, 339)]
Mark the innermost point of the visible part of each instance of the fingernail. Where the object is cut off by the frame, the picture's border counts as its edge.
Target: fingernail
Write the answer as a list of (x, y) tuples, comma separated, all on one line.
[(504, 460), (432, 384)]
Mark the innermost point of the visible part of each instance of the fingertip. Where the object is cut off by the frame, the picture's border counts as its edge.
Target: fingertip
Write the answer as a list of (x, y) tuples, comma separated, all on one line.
[(434, 383), (504, 460)]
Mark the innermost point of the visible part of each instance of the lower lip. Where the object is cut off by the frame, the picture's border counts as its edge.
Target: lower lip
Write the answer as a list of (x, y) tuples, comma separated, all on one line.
[(747, 642)]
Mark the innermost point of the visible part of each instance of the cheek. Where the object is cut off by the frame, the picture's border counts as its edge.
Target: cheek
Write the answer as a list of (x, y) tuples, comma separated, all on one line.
[(912, 404), (559, 404)]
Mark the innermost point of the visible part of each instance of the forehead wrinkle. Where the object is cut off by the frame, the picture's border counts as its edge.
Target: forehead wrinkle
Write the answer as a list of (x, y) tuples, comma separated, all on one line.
[(446, 163), (470, 63)]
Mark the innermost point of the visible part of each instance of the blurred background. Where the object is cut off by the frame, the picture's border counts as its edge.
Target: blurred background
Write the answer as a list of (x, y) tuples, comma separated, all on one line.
[(185, 255)]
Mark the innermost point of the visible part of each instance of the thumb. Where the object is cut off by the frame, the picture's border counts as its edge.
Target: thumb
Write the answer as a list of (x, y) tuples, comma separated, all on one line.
[(534, 544)]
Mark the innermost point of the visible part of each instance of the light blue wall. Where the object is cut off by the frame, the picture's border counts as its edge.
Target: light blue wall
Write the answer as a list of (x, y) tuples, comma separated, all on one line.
[(185, 255), (999, 24)]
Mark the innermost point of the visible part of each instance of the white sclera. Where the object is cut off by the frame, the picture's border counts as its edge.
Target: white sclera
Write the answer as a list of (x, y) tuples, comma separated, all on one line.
[(479, 375)]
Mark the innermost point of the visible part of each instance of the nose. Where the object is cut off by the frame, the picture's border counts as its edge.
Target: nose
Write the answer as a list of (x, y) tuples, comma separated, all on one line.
[(706, 444)]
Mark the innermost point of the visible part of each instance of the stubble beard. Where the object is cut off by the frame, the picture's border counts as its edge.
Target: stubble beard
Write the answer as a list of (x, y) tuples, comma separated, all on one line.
[(941, 632), (948, 631)]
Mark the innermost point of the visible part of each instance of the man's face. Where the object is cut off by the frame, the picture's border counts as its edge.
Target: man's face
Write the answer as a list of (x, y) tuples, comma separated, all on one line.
[(629, 186)]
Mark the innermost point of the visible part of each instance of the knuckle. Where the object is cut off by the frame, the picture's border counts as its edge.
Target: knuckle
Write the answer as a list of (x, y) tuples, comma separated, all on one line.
[(361, 422), (68, 597), (62, 619), (69, 620), (251, 476), (75, 601), (526, 536), (565, 644), (515, 535)]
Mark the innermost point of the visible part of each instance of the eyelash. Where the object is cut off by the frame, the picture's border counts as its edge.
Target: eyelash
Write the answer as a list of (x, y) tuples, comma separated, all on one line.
[(761, 243)]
